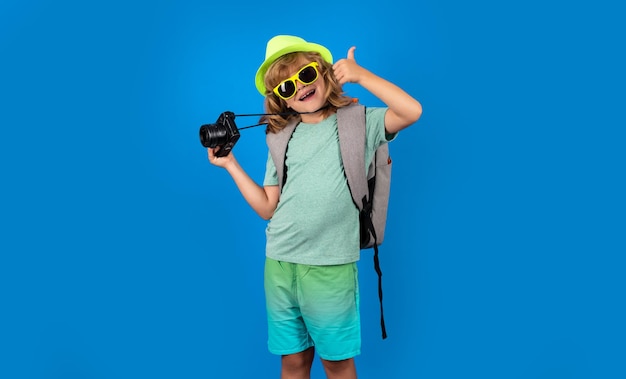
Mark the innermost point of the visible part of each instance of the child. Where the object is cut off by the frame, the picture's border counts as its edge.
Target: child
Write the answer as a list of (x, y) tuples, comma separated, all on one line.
[(311, 282)]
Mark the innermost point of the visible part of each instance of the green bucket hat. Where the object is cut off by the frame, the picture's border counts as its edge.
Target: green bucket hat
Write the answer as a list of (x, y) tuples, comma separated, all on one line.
[(285, 44)]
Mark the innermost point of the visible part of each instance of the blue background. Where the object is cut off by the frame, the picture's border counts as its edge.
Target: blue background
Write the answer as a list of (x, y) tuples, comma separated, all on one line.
[(125, 254)]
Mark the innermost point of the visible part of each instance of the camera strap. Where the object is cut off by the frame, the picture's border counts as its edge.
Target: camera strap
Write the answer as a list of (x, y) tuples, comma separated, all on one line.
[(274, 114)]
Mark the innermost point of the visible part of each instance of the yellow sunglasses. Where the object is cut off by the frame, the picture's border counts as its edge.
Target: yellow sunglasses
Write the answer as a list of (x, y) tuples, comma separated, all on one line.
[(288, 87)]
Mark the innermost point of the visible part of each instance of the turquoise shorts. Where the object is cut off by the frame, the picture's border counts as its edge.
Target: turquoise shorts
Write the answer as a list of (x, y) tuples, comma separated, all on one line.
[(313, 306)]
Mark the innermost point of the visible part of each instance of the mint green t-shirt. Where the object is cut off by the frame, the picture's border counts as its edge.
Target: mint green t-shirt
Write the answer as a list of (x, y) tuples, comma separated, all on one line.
[(316, 221)]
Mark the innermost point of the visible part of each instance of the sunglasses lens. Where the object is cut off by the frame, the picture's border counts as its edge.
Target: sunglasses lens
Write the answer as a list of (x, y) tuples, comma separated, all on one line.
[(308, 75), (287, 88)]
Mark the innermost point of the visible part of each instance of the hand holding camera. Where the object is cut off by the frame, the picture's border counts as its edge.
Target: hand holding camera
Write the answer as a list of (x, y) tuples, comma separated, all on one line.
[(223, 134)]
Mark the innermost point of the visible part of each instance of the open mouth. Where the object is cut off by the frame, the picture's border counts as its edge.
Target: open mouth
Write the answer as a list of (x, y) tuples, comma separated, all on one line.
[(308, 94)]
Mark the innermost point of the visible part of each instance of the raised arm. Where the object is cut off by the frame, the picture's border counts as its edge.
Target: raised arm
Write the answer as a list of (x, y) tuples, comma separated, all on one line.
[(403, 111)]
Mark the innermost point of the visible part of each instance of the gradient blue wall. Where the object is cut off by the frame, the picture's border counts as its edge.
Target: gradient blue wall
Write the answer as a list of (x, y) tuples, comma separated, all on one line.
[(124, 254)]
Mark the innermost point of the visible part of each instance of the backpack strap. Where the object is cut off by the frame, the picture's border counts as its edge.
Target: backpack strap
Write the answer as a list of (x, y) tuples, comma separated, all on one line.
[(381, 168), (351, 128), (352, 139), (277, 143)]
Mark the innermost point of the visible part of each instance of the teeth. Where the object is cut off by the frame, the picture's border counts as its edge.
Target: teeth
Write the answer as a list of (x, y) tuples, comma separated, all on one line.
[(307, 94)]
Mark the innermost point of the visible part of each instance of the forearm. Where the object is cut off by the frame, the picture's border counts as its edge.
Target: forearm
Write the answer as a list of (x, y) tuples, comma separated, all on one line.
[(404, 110), (255, 195)]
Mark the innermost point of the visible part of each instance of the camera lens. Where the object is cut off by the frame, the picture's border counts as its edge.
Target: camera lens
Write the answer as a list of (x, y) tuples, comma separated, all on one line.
[(213, 135)]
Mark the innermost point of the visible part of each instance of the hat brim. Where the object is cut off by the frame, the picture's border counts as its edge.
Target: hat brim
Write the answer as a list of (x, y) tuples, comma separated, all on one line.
[(304, 47)]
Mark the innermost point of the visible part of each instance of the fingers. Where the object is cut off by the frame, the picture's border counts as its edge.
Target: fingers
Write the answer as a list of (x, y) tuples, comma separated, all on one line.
[(212, 157), (220, 161), (340, 74)]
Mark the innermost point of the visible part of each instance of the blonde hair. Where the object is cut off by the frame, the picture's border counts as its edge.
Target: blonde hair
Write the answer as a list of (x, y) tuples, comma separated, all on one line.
[(279, 70)]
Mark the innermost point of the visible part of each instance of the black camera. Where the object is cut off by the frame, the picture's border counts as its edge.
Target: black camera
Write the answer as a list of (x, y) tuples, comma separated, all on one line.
[(223, 133)]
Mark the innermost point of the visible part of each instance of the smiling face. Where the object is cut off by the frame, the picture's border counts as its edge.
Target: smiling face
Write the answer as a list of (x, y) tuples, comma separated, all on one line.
[(308, 97)]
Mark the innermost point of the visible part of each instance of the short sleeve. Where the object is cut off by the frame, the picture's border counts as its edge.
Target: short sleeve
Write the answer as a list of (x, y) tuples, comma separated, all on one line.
[(376, 134), (271, 176)]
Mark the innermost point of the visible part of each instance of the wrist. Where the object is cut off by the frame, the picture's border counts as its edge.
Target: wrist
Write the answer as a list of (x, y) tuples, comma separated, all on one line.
[(364, 77), (231, 165)]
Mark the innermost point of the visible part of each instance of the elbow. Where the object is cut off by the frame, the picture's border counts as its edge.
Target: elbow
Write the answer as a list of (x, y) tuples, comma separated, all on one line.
[(416, 113), (266, 214), (412, 116), (408, 118)]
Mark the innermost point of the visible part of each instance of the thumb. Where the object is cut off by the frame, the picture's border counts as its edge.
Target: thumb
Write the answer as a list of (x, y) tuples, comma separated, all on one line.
[(351, 52)]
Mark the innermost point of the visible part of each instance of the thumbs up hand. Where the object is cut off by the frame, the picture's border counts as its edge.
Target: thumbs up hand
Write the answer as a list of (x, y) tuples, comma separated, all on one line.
[(347, 70), (403, 110)]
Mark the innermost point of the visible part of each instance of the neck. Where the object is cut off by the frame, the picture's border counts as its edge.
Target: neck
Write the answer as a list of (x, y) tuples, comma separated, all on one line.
[(313, 117), (313, 112)]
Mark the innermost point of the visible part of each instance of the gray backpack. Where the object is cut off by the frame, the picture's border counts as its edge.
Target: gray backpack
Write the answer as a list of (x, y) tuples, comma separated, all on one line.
[(370, 192)]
